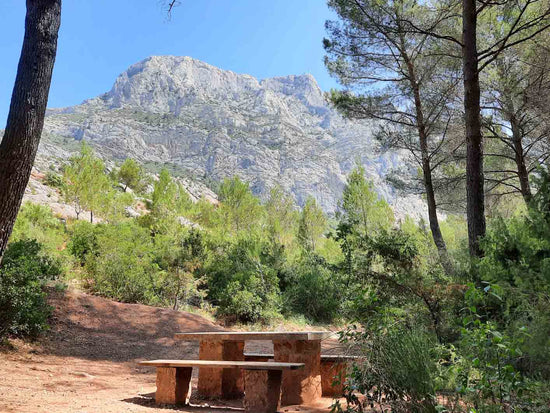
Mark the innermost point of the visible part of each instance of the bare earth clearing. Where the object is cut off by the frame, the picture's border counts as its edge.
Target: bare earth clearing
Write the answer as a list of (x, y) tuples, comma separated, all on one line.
[(87, 362)]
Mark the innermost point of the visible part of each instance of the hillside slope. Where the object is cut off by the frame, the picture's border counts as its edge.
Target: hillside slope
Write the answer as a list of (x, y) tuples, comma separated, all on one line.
[(87, 362), (210, 123)]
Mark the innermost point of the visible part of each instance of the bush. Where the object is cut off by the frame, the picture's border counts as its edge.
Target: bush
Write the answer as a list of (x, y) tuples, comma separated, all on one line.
[(238, 302), (489, 379), (398, 370), (181, 257), (27, 258), (83, 240), (54, 180), (313, 290), (122, 266), (243, 280), (485, 368), (517, 262), (23, 273), (38, 222)]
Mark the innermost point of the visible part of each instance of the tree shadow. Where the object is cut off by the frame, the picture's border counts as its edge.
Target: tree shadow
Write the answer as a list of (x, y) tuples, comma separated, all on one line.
[(148, 400), (94, 328)]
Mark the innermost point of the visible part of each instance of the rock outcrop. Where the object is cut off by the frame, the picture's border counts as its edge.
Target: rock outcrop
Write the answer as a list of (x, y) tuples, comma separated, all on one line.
[(208, 123)]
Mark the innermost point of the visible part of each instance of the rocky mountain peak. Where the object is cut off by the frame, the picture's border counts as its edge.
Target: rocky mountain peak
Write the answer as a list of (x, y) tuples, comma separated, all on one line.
[(212, 123), (163, 83)]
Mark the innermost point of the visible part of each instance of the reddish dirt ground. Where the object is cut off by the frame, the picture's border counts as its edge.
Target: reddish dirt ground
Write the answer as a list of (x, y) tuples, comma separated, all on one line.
[(87, 361)]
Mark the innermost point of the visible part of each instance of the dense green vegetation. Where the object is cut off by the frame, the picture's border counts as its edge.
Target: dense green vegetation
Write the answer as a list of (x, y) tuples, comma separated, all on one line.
[(478, 335), (24, 272)]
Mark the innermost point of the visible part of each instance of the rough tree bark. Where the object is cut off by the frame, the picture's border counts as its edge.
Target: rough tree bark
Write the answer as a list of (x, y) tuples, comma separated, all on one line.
[(27, 109), (519, 154), (427, 170), (475, 202)]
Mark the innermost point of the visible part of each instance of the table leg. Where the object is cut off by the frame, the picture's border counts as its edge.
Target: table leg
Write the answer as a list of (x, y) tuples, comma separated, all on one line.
[(216, 382), (304, 385)]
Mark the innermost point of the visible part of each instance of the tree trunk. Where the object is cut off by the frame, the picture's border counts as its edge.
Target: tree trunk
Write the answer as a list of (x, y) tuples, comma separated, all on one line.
[(427, 170), (523, 175), (434, 221), (510, 114), (176, 296), (27, 109), (475, 202)]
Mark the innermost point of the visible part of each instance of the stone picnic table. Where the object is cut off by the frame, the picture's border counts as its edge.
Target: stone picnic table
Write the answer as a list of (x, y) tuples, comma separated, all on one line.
[(298, 386)]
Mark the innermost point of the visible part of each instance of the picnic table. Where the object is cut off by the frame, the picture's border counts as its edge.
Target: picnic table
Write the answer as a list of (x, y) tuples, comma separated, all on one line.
[(298, 386)]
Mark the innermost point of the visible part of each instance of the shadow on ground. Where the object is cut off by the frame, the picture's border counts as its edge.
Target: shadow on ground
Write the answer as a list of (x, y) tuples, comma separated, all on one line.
[(94, 328), (148, 401)]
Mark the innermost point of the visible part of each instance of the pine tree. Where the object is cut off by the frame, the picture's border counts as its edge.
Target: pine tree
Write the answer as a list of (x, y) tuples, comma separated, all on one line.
[(27, 109), (85, 181), (131, 175), (312, 225), (414, 85)]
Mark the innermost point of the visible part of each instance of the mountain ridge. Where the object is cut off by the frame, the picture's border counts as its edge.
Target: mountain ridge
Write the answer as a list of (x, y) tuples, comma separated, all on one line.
[(213, 123)]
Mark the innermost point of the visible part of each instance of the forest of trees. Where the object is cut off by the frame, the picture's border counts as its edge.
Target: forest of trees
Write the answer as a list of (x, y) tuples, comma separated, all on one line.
[(450, 315)]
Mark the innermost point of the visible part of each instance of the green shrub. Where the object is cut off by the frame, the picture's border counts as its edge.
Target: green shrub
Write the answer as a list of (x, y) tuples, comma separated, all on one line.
[(83, 240), (517, 262), (181, 257), (238, 302), (23, 273), (54, 180), (398, 371), (38, 222), (313, 290), (247, 267), (122, 267), (486, 366), (28, 258), (489, 378)]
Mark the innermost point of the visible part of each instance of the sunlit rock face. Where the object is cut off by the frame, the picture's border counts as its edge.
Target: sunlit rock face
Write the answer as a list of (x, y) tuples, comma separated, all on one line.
[(213, 123)]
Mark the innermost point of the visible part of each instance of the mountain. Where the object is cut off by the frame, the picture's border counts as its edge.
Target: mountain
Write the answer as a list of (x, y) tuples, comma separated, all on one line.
[(208, 123)]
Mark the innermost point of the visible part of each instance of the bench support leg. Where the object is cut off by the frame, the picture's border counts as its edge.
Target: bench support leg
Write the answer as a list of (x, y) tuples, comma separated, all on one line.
[(304, 385), (262, 390), (173, 385), (216, 382), (333, 375)]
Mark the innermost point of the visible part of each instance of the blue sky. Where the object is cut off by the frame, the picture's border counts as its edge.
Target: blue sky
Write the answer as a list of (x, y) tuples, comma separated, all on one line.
[(100, 38)]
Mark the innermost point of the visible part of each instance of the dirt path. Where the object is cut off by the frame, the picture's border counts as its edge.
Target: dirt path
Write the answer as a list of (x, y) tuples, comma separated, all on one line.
[(87, 362)]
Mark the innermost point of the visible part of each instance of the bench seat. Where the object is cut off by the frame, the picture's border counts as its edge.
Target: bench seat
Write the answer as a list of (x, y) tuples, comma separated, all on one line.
[(333, 370), (245, 365), (262, 381)]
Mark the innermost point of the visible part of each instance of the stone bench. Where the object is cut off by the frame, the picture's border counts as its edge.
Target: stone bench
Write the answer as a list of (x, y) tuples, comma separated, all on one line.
[(262, 381), (333, 370)]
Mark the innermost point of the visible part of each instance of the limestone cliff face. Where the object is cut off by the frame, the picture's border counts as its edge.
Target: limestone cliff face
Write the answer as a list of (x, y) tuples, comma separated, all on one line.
[(214, 123)]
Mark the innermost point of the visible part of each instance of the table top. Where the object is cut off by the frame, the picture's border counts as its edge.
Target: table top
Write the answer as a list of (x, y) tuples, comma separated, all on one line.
[(255, 335), (246, 365)]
